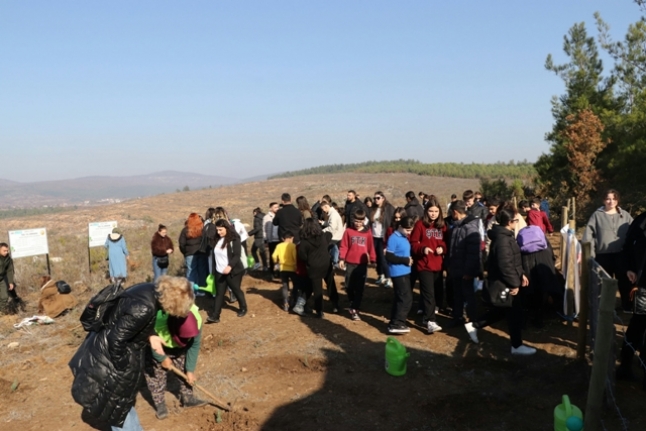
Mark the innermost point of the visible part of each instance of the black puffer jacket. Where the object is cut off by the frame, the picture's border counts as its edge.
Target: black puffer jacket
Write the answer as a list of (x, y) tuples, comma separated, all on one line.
[(504, 266), (314, 252), (635, 258), (189, 246), (108, 367), (464, 249), (257, 232)]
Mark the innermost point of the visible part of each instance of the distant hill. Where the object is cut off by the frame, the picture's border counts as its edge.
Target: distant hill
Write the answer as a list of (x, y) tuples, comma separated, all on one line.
[(510, 170), (93, 190)]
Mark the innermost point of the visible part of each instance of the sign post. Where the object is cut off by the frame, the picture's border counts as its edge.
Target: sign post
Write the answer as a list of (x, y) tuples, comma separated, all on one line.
[(29, 242), (97, 234)]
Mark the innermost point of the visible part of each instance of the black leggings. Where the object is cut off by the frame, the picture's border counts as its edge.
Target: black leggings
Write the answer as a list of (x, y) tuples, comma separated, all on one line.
[(430, 288), (233, 282), (514, 315)]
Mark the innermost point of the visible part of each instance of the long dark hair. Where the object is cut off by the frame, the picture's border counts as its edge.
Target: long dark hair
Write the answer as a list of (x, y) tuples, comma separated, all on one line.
[(373, 209), (210, 213), (505, 213), (439, 222), (231, 234), (402, 213), (310, 229), (616, 193), (302, 204)]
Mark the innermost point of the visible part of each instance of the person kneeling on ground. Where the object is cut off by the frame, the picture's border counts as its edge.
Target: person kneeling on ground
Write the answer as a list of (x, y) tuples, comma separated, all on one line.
[(182, 337), (505, 278), (108, 366)]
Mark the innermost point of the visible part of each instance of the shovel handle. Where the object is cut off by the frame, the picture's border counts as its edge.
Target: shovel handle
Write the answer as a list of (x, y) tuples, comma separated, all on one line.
[(218, 402)]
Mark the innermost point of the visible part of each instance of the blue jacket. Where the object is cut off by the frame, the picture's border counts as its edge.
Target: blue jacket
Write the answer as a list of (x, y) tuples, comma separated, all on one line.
[(398, 246)]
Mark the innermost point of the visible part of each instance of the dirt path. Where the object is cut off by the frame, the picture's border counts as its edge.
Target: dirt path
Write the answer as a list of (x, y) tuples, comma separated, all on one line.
[(293, 373)]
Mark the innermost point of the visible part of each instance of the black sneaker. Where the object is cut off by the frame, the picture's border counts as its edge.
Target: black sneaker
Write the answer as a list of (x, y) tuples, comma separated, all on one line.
[(161, 412), (212, 320), (398, 329), (242, 313)]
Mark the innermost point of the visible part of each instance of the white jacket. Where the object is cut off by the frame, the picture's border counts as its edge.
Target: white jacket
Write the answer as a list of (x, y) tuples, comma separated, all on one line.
[(269, 231), (335, 225)]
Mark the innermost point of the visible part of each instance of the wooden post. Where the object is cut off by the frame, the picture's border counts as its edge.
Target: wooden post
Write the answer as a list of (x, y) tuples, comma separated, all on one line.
[(564, 222), (49, 267), (571, 277), (574, 209), (514, 200), (603, 344), (584, 304)]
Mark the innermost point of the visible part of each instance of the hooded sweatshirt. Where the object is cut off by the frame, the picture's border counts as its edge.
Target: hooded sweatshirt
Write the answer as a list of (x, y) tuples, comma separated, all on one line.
[(356, 246), (607, 232), (428, 236), (414, 209)]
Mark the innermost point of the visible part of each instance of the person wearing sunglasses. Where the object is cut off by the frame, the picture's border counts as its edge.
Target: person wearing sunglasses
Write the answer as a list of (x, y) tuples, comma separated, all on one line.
[(381, 216)]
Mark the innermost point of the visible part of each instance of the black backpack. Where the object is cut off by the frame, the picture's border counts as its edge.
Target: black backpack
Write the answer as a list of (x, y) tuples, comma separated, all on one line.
[(98, 310)]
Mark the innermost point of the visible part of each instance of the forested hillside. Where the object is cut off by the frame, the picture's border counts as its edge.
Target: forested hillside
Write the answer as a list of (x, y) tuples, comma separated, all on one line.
[(510, 170)]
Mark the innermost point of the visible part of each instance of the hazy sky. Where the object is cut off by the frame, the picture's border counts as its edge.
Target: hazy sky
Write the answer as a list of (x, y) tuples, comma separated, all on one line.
[(243, 88)]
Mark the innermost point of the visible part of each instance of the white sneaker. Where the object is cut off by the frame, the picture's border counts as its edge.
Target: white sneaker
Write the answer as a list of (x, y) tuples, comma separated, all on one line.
[(472, 331), (388, 283), (433, 327), (256, 266), (381, 280), (523, 350)]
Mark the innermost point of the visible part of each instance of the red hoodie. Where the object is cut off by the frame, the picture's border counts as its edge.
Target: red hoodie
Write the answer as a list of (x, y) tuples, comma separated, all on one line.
[(539, 218), (431, 237), (355, 247)]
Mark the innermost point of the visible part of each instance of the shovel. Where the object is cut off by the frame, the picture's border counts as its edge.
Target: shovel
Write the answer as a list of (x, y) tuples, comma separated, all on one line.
[(218, 402)]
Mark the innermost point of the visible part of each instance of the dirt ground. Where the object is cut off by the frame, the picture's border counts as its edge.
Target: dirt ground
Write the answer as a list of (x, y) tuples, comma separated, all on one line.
[(285, 372)]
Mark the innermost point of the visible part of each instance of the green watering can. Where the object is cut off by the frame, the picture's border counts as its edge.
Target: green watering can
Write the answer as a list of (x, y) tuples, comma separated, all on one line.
[(396, 357), (567, 417), (210, 285)]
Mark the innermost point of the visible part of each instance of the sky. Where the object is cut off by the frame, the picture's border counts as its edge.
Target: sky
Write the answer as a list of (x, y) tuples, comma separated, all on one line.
[(246, 88)]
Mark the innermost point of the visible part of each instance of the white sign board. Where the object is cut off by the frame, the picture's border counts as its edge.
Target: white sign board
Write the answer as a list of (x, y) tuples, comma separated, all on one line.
[(29, 242), (99, 232)]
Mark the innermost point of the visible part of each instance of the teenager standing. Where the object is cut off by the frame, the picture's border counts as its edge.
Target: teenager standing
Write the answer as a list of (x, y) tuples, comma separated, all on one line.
[(606, 230), (429, 246), (356, 251), (381, 217), (161, 247), (400, 261)]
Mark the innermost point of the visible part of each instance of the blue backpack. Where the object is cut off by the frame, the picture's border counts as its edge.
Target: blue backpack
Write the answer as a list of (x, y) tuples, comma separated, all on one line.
[(531, 239)]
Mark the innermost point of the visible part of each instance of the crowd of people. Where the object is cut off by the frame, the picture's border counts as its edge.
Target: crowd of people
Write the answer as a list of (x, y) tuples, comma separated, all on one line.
[(474, 251)]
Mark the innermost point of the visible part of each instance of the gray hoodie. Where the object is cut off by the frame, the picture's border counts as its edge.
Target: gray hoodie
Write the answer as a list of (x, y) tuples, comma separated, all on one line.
[(607, 232)]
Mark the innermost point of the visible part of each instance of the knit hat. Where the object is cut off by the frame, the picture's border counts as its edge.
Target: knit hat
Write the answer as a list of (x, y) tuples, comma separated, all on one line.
[(182, 329)]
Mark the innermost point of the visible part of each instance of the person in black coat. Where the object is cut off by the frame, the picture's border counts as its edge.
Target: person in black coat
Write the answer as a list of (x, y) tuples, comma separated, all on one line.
[(505, 278), (634, 253), (465, 261), (413, 208), (227, 269), (288, 218), (313, 251), (352, 205), (258, 239), (108, 367)]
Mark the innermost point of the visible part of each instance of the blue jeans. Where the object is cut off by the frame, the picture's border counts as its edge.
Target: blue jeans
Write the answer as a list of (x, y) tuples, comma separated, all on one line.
[(334, 253), (132, 422), (157, 271)]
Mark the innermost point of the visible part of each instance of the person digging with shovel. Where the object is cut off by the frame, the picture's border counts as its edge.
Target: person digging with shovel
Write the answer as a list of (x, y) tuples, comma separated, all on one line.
[(182, 338)]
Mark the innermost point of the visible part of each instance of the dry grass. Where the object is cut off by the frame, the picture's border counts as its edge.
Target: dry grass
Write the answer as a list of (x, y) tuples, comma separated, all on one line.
[(67, 231)]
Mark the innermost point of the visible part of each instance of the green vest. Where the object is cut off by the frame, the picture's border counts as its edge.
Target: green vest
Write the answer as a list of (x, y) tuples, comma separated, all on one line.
[(161, 326)]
